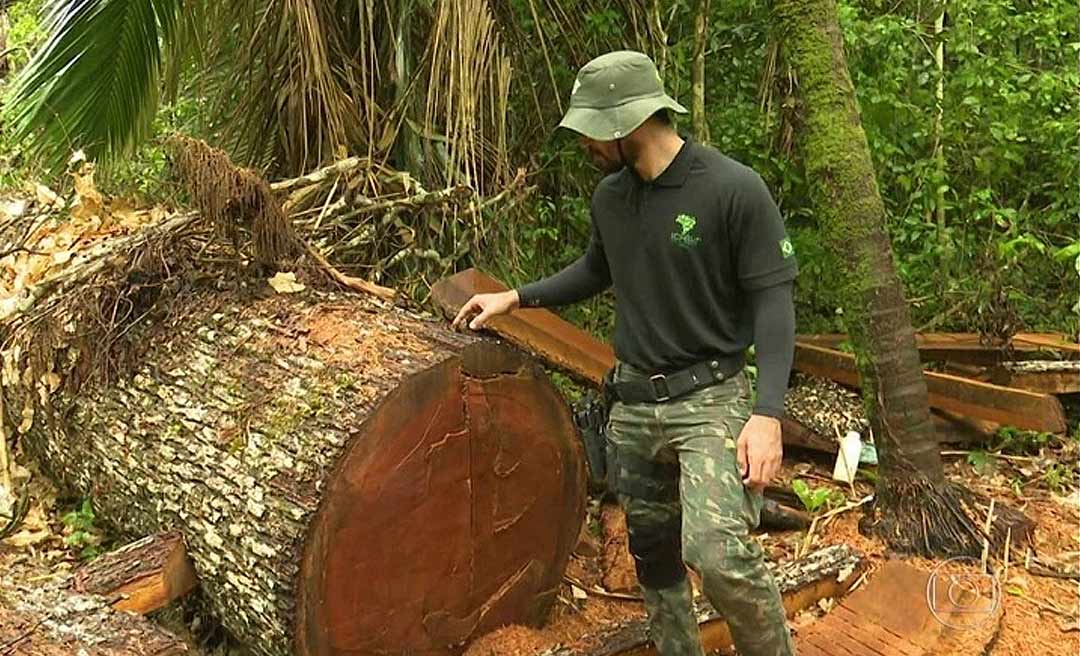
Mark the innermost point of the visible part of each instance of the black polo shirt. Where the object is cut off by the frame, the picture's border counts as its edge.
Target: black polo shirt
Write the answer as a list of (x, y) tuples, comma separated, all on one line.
[(682, 251)]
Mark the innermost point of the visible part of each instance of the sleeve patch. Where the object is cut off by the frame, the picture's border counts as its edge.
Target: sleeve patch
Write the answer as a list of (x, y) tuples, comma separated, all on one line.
[(786, 248)]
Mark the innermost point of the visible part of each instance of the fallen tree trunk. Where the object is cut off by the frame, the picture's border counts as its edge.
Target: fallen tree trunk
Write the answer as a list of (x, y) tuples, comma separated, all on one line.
[(349, 478)]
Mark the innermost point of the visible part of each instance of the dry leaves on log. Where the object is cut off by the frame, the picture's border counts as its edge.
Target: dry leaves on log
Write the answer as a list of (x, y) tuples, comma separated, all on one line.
[(53, 240)]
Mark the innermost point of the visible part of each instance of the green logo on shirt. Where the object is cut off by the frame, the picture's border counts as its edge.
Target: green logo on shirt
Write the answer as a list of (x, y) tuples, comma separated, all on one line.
[(786, 249), (684, 237)]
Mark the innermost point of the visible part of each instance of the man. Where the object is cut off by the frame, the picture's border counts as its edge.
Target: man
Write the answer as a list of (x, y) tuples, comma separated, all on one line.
[(696, 251)]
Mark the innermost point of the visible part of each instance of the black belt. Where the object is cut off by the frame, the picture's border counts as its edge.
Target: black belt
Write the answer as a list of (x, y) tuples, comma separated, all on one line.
[(662, 387)]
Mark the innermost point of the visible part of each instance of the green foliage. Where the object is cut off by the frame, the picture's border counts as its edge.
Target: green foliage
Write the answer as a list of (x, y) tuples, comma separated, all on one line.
[(568, 387), (1004, 258), (1011, 179), (1015, 441), (1059, 477), (981, 461), (98, 76), (870, 474), (144, 173), (548, 234), (82, 535), (25, 31), (815, 499)]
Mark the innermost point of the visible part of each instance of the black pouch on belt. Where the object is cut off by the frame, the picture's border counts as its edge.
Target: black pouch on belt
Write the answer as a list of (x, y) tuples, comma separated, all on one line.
[(591, 418)]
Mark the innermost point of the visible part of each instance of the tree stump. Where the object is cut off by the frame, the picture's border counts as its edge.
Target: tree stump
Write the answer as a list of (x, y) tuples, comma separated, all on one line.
[(349, 478)]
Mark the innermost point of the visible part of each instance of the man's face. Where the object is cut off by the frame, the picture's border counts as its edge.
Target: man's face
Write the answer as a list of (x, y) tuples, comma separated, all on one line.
[(604, 154)]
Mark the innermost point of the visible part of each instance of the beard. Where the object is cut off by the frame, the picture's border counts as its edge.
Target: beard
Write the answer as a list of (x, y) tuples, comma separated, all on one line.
[(606, 164)]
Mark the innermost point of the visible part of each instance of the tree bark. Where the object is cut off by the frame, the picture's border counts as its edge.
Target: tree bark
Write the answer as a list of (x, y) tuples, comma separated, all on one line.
[(659, 37), (918, 509), (939, 147), (349, 478)]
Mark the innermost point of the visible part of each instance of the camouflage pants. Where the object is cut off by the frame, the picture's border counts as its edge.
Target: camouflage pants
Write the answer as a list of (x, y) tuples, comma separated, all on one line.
[(707, 523)]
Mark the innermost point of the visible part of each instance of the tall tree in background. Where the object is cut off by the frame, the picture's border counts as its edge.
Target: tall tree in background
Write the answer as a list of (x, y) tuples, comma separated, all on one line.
[(916, 508), (697, 82)]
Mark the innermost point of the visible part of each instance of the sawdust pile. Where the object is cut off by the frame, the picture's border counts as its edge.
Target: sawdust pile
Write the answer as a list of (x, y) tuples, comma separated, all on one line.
[(510, 641)]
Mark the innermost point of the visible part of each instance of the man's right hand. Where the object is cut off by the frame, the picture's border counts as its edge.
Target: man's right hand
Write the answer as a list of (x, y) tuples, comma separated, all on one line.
[(482, 307)]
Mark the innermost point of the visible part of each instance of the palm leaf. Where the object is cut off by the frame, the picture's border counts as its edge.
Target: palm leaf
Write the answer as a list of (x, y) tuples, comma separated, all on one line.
[(95, 83)]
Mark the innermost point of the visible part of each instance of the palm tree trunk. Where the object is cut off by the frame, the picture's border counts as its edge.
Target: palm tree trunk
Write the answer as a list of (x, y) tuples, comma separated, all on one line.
[(917, 508)]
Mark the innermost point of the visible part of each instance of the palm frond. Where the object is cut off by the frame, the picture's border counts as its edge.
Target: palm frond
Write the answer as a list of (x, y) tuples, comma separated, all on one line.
[(95, 83)]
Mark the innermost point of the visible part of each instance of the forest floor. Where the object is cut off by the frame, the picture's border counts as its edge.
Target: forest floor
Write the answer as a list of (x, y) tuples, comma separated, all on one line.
[(1041, 614)]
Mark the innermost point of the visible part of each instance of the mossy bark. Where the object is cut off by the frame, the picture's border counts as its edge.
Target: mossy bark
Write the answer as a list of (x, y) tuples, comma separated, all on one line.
[(917, 508)]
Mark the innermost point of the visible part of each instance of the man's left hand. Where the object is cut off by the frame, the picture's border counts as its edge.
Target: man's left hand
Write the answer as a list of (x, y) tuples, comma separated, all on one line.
[(759, 451)]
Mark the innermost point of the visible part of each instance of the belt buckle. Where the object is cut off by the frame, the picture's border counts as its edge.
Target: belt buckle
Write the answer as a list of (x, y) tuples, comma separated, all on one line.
[(656, 380)]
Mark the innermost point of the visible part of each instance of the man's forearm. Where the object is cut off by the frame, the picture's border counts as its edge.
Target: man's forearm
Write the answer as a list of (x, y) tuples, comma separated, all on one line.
[(576, 282), (774, 346)]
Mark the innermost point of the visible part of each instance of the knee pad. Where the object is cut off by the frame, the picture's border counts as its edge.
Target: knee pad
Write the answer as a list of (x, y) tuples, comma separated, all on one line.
[(657, 550)]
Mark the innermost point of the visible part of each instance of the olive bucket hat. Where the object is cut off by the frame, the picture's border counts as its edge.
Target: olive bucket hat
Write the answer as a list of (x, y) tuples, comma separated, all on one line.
[(614, 94)]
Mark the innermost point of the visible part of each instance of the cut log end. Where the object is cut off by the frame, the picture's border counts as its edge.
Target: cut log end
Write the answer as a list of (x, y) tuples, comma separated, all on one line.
[(446, 510), (144, 576)]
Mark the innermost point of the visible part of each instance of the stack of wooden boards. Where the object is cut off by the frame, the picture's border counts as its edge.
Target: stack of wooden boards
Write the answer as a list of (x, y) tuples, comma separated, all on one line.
[(1011, 383)]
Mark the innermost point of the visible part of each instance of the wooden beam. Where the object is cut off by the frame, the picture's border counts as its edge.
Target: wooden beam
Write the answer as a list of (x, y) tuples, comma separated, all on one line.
[(968, 348), (1004, 405), (796, 434), (1060, 343), (540, 332), (951, 427), (143, 576), (905, 610)]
